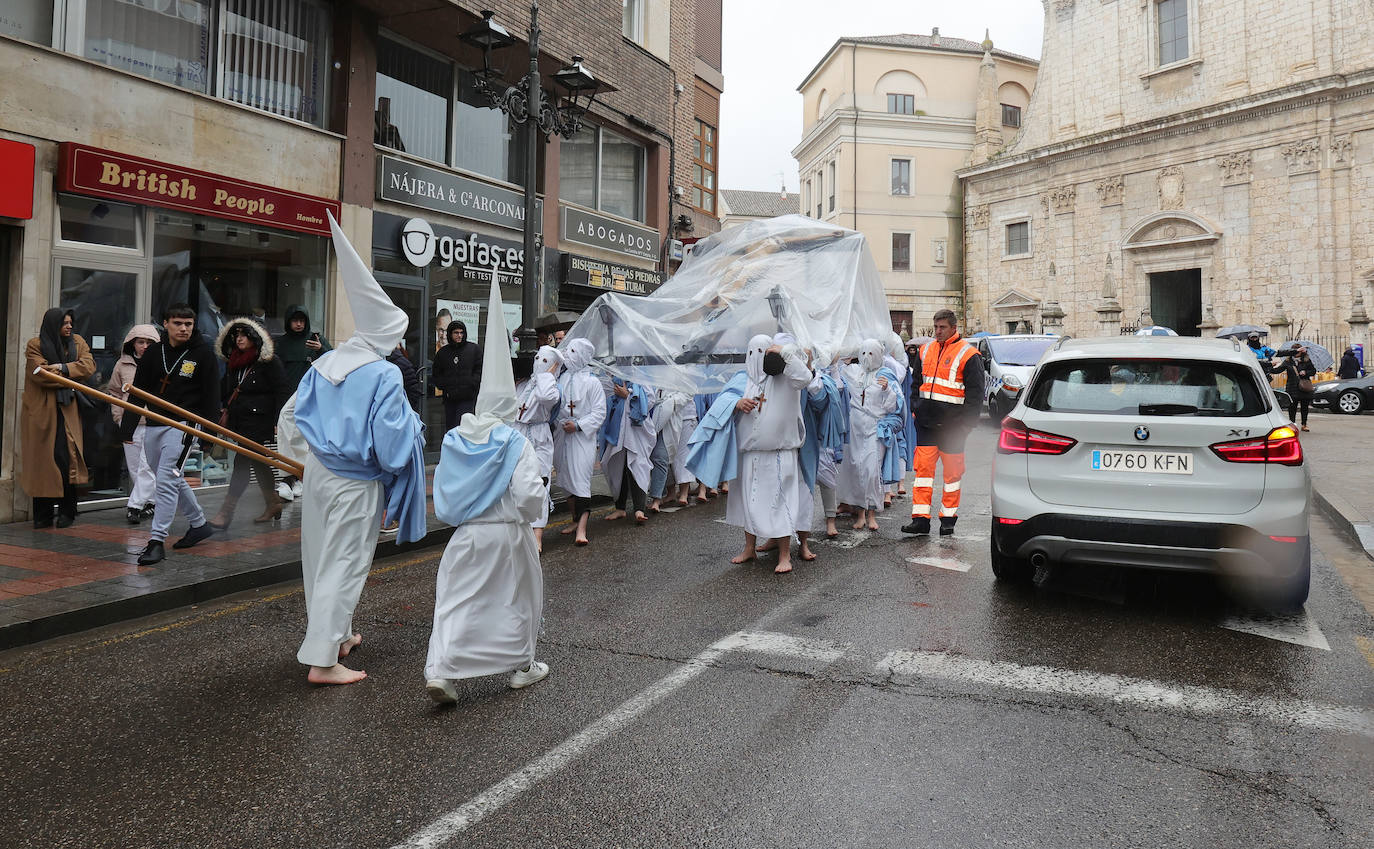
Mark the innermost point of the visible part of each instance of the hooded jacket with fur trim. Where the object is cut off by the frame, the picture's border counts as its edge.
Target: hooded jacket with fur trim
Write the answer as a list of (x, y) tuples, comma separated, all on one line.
[(262, 386)]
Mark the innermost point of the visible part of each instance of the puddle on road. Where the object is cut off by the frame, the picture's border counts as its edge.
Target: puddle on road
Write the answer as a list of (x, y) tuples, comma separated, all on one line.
[(941, 563)]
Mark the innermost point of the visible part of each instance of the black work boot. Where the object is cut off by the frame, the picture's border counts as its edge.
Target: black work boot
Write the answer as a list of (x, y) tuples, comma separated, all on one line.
[(947, 525), (153, 552), (920, 525)]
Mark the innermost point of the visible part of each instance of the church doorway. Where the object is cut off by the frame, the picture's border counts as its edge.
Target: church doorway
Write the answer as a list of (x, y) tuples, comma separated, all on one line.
[(1176, 300)]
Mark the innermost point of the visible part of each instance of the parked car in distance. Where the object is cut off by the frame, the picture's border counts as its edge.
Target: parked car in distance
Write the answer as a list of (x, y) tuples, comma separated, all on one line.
[(1353, 395), (1157, 453), (1010, 361)]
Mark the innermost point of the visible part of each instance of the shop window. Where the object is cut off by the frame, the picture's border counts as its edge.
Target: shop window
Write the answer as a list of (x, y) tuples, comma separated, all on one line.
[(30, 20), (901, 251), (704, 169), (413, 92), (275, 56), (601, 170), (1011, 115), (92, 221), (901, 104), (152, 40), (901, 176), (226, 269)]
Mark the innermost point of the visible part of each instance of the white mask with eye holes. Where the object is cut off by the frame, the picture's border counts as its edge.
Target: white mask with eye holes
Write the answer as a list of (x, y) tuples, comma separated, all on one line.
[(545, 358), (870, 356), (753, 357)]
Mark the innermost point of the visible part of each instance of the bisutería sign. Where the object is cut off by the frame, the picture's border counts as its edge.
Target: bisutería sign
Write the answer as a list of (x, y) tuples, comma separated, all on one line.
[(413, 184), (600, 231)]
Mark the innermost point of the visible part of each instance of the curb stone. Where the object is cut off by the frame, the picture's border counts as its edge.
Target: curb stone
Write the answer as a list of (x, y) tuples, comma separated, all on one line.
[(1347, 517)]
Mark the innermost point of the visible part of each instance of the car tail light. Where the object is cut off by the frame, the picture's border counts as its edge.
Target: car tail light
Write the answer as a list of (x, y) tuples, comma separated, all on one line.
[(1280, 446), (1016, 438), (1005, 521), (1283, 539)]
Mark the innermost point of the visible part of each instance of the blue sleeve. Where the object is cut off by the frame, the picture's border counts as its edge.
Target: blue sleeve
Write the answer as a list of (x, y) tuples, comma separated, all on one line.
[(398, 444)]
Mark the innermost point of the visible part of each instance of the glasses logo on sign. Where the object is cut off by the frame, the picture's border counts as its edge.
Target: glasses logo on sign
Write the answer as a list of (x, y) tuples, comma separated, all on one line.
[(417, 242)]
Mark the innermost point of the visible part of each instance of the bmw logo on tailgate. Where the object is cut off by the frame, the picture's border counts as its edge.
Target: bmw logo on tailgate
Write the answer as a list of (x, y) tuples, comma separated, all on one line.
[(1142, 433)]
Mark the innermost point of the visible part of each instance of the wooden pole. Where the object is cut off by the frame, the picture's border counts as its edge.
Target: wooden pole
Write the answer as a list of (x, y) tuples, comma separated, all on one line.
[(288, 466), (203, 422)]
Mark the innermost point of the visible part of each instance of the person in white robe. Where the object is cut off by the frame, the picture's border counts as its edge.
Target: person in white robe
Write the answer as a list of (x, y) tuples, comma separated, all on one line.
[(674, 428), (352, 427), (629, 438), (766, 499), (581, 412), (870, 398), (894, 357), (489, 593), (538, 399), (683, 422)]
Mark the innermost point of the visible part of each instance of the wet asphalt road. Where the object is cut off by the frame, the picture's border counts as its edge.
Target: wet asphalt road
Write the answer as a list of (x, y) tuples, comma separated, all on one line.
[(197, 728)]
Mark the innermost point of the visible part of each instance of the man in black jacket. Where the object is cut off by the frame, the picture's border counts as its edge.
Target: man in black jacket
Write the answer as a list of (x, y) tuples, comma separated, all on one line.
[(409, 377), (458, 371), (181, 371)]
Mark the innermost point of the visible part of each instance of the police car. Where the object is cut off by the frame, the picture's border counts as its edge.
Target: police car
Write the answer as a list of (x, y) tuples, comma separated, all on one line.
[(1156, 453), (1010, 361)]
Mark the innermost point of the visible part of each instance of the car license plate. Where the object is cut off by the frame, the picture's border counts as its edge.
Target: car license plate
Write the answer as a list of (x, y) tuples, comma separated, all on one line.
[(1153, 462)]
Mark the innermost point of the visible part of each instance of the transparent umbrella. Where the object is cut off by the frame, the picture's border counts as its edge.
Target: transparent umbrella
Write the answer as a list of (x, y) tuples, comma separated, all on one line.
[(1320, 356), (1241, 331), (1155, 330)]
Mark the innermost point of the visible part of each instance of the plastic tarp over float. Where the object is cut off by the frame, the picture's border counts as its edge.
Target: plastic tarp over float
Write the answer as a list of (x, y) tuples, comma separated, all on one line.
[(793, 274)]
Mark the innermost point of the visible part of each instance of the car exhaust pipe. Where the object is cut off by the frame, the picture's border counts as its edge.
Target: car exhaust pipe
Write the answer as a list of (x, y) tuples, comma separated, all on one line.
[(1040, 561)]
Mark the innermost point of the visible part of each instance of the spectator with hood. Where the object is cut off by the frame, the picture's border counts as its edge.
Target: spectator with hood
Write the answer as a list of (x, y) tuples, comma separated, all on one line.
[(458, 372), (297, 348), (54, 461)]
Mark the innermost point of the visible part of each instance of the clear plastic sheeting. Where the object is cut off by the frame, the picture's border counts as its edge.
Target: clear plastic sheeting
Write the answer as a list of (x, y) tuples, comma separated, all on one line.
[(792, 274)]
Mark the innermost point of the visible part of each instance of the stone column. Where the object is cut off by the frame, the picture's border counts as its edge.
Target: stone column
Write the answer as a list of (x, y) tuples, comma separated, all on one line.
[(1209, 327), (987, 125), (1278, 326), (1359, 328)]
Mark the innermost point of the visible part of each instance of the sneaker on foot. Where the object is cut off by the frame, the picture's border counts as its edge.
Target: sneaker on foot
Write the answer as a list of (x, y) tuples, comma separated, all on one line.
[(284, 491), (441, 691), (134, 515), (153, 552), (919, 525), (535, 673), (297, 489)]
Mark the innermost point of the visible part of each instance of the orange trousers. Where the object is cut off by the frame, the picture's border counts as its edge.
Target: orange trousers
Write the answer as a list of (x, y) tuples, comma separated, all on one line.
[(922, 488)]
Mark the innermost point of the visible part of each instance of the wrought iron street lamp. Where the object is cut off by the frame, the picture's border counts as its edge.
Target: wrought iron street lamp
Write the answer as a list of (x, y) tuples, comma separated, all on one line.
[(541, 115)]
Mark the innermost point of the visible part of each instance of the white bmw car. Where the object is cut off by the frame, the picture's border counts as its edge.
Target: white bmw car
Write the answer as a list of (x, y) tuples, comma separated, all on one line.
[(1156, 453)]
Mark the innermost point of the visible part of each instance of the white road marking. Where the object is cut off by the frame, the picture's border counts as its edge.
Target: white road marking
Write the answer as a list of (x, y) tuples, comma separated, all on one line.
[(1206, 701), (1299, 628), (497, 796), (941, 563)]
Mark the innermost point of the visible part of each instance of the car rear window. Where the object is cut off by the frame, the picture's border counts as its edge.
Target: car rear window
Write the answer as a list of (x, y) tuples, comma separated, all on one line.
[(1019, 352), (1134, 387)]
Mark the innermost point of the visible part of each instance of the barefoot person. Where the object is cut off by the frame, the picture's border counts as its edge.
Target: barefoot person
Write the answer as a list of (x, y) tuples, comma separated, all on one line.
[(538, 399), (871, 396), (761, 415), (362, 446), (824, 421), (628, 434), (581, 412), (489, 595)]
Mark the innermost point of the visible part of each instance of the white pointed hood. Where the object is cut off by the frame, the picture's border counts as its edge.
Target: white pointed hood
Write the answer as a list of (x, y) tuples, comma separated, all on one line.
[(379, 324), (753, 357), (496, 403), (578, 354), (871, 355)]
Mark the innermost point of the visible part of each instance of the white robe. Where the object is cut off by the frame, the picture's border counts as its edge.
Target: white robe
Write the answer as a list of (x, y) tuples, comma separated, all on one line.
[(574, 454), (538, 396), (675, 417), (766, 498), (634, 451), (861, 473), (489, 597)]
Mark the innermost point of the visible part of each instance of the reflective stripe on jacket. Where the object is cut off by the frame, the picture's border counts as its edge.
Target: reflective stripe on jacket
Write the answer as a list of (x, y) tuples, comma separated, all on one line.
[(942, 370)]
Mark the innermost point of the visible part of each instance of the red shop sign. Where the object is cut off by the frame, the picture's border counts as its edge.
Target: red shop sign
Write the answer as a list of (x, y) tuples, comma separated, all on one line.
[(16, 179), (104, 173)]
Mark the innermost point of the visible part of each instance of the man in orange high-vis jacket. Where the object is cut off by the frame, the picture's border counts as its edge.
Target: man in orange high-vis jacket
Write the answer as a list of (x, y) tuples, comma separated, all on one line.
[(946, 399)]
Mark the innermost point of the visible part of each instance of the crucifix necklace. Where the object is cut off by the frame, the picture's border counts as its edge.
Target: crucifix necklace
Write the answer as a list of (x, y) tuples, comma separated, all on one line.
[(572, 405), (167, 378), (762, 397)]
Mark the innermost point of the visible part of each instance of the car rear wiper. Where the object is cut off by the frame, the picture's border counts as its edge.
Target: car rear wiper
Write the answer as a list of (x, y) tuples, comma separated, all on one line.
[(1167, 410)]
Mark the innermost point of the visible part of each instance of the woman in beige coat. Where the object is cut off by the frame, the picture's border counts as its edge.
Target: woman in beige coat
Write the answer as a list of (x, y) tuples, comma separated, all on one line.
[(142, 482), (54, 463)]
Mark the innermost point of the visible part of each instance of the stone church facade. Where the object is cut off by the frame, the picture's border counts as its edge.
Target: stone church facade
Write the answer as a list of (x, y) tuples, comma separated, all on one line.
[(1192, 163)]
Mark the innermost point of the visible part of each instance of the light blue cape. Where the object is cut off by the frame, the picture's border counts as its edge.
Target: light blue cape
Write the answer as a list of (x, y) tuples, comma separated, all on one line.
[(458, 497), (892, 434), (713, 453)]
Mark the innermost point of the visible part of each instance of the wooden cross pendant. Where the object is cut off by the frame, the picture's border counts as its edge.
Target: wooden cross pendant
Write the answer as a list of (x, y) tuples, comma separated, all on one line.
[(762, 397), (572, 405), (863, 395), (522, 411), (166, 379)]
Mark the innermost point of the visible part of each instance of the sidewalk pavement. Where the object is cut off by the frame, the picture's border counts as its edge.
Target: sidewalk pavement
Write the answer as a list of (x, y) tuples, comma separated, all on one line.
[(60, 581), (1338, 453)]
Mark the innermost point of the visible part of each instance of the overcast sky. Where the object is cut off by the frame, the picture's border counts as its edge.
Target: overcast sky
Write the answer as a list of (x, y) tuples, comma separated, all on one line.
[(770, 45)]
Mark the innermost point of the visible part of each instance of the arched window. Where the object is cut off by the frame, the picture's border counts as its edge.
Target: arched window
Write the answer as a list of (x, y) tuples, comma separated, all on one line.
[(900, 90)]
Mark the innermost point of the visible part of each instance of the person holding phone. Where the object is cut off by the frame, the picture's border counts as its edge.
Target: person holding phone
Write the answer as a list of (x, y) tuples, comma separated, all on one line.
[(297, 348)]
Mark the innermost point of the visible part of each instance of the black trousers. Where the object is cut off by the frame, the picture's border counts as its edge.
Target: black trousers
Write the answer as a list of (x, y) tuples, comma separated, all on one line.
[(43, 508), (1303, 404), (630, 491), (454, 410)]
